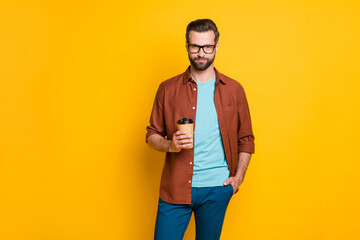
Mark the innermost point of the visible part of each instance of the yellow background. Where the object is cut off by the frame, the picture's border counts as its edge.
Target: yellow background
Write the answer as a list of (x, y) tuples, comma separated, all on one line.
[(78, 79)]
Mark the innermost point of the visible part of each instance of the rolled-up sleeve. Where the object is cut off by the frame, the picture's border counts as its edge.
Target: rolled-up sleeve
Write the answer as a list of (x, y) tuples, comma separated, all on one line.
[(157, 120), (245, 134)]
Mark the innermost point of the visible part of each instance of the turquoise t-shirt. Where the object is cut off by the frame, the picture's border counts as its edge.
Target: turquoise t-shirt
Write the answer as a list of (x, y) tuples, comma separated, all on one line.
[(210, 167)]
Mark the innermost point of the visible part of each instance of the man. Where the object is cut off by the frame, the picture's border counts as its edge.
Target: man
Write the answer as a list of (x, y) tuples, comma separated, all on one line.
[(201, 179)]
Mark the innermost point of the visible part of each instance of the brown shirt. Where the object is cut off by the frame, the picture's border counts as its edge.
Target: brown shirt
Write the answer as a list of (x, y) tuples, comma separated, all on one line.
[(176, 98)]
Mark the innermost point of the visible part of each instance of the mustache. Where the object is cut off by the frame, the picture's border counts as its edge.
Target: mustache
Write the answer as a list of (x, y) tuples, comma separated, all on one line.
[(200, 58)]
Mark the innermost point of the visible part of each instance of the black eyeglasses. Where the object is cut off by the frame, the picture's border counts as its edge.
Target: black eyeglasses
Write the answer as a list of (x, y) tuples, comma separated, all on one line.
[(208, 49)]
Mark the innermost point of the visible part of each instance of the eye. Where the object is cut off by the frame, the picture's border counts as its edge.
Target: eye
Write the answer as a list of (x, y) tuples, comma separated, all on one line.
[(193, 46)]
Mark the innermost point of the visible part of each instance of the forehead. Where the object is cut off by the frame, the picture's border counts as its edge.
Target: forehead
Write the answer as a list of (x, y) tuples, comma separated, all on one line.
[(202, 38)]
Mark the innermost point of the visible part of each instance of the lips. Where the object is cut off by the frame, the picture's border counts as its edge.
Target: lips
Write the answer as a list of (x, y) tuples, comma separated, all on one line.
[(200, 60)]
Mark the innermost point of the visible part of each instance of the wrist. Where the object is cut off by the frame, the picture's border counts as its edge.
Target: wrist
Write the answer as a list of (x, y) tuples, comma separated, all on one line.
[(239, 177), (170, 147)]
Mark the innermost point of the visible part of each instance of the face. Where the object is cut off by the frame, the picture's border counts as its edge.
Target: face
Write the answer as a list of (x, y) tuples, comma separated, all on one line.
[(201, 60)]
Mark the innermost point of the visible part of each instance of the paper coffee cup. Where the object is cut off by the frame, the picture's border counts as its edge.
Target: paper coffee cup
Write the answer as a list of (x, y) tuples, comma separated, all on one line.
[(187, 125)]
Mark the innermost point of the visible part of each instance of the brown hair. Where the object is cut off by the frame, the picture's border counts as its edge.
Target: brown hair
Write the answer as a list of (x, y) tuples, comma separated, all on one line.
[(202, 25)]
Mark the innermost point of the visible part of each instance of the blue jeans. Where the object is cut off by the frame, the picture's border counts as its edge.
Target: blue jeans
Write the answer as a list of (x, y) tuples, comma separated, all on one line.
[(209, 205)]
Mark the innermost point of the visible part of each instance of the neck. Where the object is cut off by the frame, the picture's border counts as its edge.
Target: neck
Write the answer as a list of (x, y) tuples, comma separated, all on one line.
[(204, 75)]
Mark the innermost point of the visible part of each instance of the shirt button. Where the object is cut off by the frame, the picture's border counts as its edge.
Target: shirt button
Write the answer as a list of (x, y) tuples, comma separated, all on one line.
[(190, 163), (193, 107), (194, 89), (189, 181)]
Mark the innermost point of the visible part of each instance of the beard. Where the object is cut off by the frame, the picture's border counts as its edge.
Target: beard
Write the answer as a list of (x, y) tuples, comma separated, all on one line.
[(201, 66)]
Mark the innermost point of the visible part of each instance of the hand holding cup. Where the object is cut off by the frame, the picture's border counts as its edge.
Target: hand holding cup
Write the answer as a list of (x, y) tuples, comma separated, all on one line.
[(183, 138)]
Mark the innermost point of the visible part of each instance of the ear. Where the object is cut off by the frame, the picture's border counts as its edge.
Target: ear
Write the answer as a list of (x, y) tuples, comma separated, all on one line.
[(217, 47), (186, 46)]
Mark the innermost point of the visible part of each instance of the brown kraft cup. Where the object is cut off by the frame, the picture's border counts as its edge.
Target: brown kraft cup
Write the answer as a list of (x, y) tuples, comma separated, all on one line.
[(187, 125)]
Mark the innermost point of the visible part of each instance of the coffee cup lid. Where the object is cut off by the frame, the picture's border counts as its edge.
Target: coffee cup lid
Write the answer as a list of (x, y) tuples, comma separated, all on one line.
[(185, 121)]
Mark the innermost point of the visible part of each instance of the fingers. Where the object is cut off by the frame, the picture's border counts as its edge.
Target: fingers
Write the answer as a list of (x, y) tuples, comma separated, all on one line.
[(181, 133), (182, 140), (182, 136), (232, 181)]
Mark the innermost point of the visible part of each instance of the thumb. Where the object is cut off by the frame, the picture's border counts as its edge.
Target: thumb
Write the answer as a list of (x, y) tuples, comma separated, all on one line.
[(227, 182)]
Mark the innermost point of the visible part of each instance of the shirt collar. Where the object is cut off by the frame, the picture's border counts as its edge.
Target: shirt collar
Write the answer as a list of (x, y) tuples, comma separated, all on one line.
[(218, 75)]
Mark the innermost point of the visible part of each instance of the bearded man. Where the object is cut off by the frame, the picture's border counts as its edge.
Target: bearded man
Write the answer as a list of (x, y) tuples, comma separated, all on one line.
[(203, 178)]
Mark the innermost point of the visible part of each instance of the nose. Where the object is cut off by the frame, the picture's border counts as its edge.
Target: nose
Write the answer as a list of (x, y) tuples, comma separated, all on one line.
[(201, 53)]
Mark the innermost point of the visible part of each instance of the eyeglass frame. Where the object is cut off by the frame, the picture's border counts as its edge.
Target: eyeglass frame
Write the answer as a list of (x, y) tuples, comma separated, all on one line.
[(201, 47)]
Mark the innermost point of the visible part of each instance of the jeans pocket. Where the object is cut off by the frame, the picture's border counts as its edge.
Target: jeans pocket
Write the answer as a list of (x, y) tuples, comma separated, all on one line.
[(232, 189)]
